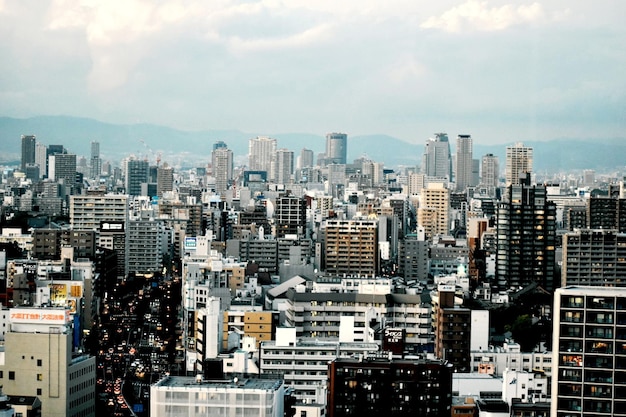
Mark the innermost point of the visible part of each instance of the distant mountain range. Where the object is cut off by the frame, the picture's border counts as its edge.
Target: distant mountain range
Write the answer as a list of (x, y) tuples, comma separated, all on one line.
[(193, 148)]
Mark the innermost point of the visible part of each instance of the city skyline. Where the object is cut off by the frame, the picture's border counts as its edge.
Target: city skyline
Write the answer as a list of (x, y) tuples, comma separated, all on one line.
[(500, 71)]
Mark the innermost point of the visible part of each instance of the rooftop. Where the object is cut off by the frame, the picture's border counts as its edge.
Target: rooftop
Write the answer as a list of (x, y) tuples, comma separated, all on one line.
[(243, 383)]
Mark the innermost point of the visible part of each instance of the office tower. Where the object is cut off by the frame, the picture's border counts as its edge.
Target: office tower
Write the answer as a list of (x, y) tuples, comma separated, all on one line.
[(165, 179), (606, 213), (336, 180), (87, 212), (136, 172), (351, 247), (452, 330), (62, 168), (194, 397), (95, 163), (290, 216), (28, 150), (519, 162), (32, 172), (594, 257), (433, 212), (464, 163), (589, 348), (378, 386), (589, 177), (41, 159), (490, 171), (284, 166), (526, 236), (336, 148), (262, 154), (306, 158), (148, 241), (222, 164), (413, 259), (40, 361), (416, 183), (436, 161)]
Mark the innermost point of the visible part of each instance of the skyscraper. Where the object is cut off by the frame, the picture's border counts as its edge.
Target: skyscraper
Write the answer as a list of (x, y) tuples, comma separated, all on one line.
[(463, 175), (28, 150), (262, 154), (436, 161), (165, 179), (136, 174), (306, 158), (519, 162), (222, 160), (490, 171), (351, 247), (336, 148), (95, 163), (41, 158), (62, 168), (526, 236), (433, 212), (589, 349), (284, 166)]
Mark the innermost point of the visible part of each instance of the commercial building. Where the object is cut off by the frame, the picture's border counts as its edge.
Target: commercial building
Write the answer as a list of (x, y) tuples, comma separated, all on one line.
[(519, 163), (336, 148), (136, 174), (262, 155), (175, 396), (88, 211), (377, 386), (433, 213), (351, 247), (589, 343), (437, 161), (464, 163), (28, 150), (40, 360)]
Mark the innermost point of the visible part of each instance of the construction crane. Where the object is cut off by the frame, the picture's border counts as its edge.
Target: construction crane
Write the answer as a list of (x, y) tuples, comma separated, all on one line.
[(157, 156)]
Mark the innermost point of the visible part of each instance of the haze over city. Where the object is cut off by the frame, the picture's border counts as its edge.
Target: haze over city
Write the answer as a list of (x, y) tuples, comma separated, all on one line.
[(502, 71)]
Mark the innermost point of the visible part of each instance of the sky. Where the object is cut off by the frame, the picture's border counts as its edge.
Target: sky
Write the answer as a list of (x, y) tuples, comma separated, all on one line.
[(501, 71)]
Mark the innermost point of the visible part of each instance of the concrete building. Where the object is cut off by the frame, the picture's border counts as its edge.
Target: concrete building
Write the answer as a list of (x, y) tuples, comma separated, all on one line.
[(148, 240), (262, 155), (95, 163), (40, 361), (165, 179), (222, 164), (336, 148), (490, 172), (606, 213), (519, 163), (433, 213), (594, 257), (303, 363), (376, 386), (464, 163), (284, 166), (28, 151), (135, 174), (589, 343), (437, 161), (495, 360), (526, 233), (351, 247), (62, 168), (452, 330), (290, 216), (194, 397), (88, 211)]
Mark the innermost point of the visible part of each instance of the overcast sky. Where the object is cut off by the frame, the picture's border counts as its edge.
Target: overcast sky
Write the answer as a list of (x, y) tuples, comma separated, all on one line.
[(499, 70)]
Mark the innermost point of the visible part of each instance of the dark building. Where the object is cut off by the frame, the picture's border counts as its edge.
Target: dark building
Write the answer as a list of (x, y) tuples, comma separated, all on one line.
[(607, 213), (389, 387), (136, 174), (413, 259), (526, 237), (452, 331), (28, 150), (575, 218), (290, 216), (47, 243)]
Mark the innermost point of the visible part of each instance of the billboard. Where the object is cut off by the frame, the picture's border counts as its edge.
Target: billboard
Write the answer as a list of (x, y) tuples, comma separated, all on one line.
[(190, 243), (111, 226), (393, 340), (39, 315)]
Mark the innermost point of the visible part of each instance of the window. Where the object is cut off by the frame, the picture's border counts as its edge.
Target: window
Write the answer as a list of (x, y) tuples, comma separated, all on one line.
[(39, 377), (12, 375), (39, 391), (39, 362)]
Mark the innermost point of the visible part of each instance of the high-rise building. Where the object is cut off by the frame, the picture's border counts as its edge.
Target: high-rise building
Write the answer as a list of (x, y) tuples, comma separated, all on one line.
[(519, 163), (589, 348), (452, 330), (88, 211), (351, 247), (436, 161), (490, 171), (434, 208), (28, 150), (40, 361), (95, 166), (150, 240), (284, 166), (594, 257), (526, 236), (62, 168), (336, 148), (41, 159), (373, 387), (606, 213), (464, 163), (262, 154), (136, 172), (290, 216), (222, 164), (165, 179), (306, 158)]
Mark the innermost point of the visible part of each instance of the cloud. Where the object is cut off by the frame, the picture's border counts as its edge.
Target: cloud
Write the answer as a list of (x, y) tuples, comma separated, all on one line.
[(476, 15)]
